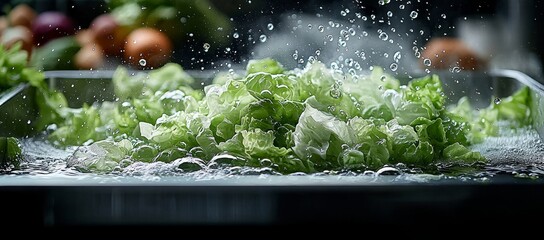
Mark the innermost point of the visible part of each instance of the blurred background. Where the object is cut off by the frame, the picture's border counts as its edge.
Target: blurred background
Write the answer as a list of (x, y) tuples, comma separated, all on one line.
[(402, 36)]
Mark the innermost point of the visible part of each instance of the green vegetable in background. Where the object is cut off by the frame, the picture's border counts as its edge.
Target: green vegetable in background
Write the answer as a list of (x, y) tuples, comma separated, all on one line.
[(56, 54), (14, 70), (306, 120)]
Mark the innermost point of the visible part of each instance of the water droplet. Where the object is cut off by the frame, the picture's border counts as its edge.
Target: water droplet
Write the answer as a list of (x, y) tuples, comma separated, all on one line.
[(382, 78), (351, 31), (413, 14), (331, 108), (421, 32), (142, 62), (270, 26), (383, 36), (497, 100), (330, 38), (394, 67), (401, 6), (335, 93), (456, 69), (427, 62), (295, 55), (317, 52), (417, 54), (383, 2), (310, 26), (320, 28), (206, 47), (389, 14), (443, 16), (235, 35), (262, 38), (365, 34), (397, 56), (28, 122), (343, 13)]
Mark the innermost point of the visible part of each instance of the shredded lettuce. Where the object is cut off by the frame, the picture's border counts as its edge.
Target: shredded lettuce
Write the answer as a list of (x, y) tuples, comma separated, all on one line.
[(306, 120)]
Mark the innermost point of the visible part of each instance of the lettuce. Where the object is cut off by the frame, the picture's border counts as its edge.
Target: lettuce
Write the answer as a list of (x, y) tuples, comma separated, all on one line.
[(10, 153), (306, 120)]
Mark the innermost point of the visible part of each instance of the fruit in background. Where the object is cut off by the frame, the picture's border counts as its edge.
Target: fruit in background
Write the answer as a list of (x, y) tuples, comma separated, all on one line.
[(22, 15), (15, 34), (90, 56), (85, 37), (50, 25), (149, 44), (4, 24), (447, 53), (108, 34)]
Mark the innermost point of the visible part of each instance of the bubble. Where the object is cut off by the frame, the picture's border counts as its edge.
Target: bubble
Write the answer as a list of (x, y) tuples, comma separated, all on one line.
[(389, 14), (142, 62), (317, 52), (383, 36), (394, 67), (330, 38), (270, 26), (427, 62), (401, 6), (388, 171), (497, 101), (456, 69), (365, 34), (443, 16), (262, 38), (421, 32), (413, 14), (235, 35), (206, 47), (343, 13), (310, 26), (351, 31), (320, 28)]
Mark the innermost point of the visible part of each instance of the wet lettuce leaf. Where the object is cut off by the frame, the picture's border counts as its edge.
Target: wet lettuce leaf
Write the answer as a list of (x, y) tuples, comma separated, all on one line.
[(10, 153), (304, 120)]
